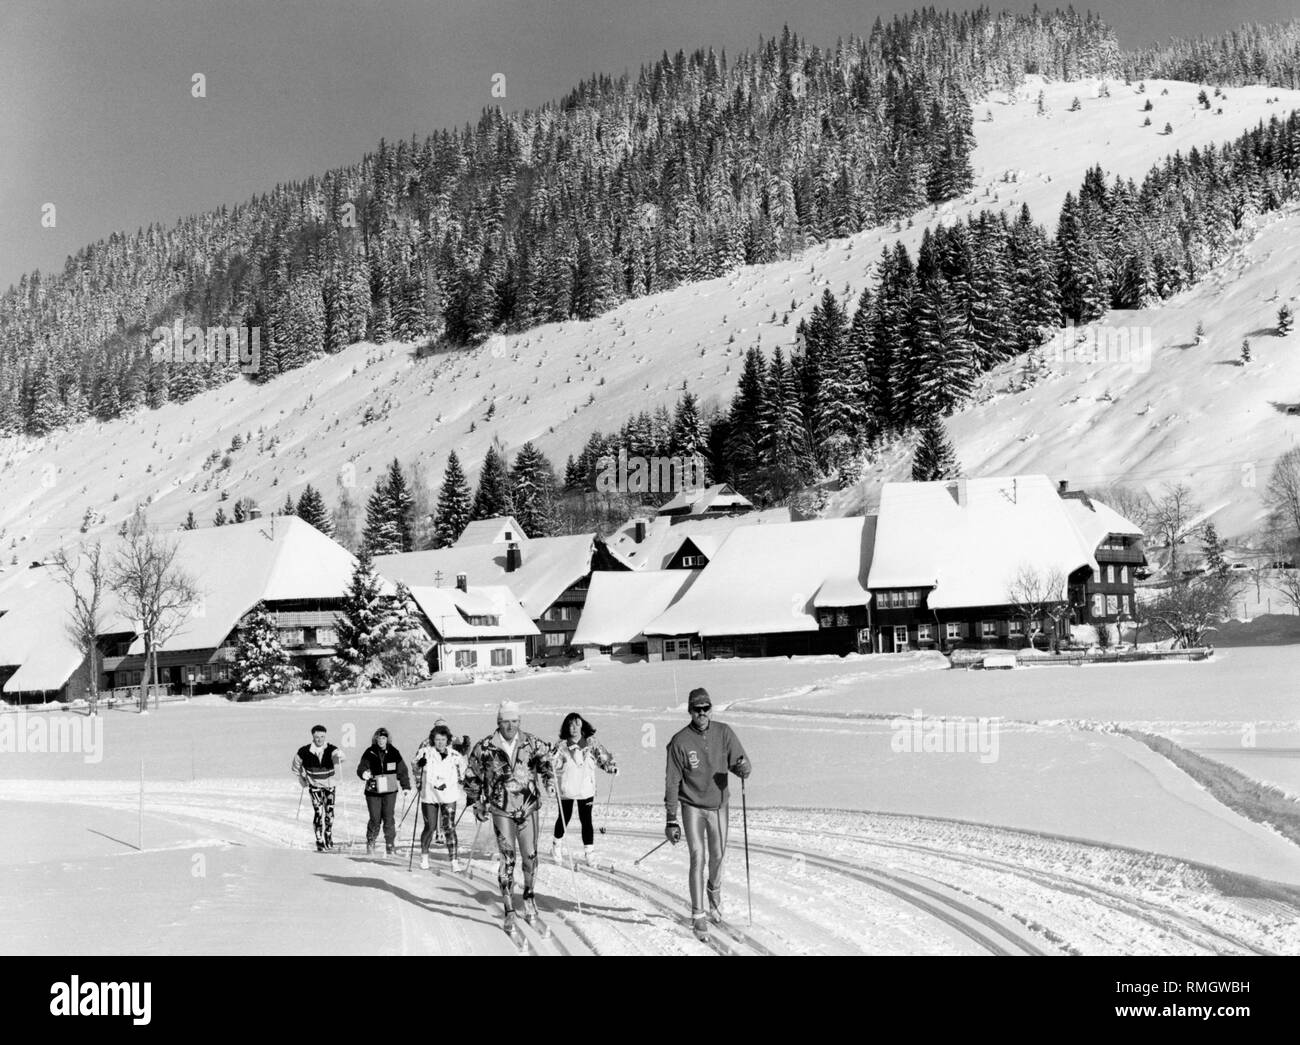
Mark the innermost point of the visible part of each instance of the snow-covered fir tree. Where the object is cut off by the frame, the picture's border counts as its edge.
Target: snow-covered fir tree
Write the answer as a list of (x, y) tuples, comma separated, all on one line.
[(492, 498), (532, 492), (453, 513), (364, 627), (261, 663), (935, 457)]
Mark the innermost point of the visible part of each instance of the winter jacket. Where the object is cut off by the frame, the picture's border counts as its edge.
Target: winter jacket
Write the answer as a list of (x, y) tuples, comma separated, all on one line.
[(386, 765), (697, 766), (448, 770), (575, 767), (509, 785), (315, 765)]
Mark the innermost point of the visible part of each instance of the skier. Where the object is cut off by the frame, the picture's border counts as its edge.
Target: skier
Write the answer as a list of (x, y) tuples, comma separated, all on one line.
[(383, 770), (441, 771), (314, 766), (575, 762), (458, 743), (699, 758), (502, 781)]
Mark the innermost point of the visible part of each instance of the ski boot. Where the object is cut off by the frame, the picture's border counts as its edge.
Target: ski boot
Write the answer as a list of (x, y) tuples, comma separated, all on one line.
[(715, 905)]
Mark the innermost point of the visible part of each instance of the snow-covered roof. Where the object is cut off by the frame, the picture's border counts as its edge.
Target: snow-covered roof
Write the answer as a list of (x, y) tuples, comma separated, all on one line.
[(547, 566), (971, 552), (449, 610), (234, 567), (665, 534), (715, 498), (501, 529), (34, 607), (766, 579), (1095, 521), (620, 603)]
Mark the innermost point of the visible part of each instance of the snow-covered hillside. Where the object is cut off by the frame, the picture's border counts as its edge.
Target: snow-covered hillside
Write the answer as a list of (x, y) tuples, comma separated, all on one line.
[(1191, 415)]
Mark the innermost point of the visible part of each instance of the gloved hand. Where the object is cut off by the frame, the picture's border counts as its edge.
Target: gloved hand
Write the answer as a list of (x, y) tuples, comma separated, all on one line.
[(613, 770), (742, 768), (420, 761), (673, 832), (480, 812), (365, 774)]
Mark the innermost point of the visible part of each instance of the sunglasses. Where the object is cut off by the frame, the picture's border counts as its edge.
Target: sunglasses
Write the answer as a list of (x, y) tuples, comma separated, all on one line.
[(701, 711)]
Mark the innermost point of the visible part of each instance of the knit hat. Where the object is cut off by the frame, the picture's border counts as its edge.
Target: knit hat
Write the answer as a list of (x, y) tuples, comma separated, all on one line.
[(507, 709)]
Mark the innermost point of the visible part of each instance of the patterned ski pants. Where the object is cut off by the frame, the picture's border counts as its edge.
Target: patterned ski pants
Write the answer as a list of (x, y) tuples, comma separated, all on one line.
[(511, 833), (322, 808)]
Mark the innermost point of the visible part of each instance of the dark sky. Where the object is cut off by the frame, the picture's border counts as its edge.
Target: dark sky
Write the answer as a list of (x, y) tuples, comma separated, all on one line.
[(96, 114)]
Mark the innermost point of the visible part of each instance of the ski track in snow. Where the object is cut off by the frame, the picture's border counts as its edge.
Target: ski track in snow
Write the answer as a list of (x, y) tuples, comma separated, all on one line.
[(824, 882)]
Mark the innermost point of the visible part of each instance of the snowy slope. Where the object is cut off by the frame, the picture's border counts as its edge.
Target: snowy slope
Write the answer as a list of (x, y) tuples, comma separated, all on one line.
[(554, 384)]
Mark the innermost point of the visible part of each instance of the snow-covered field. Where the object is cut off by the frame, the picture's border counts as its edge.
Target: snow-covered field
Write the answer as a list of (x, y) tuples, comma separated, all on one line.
[(1189, 415), (1070, 839)]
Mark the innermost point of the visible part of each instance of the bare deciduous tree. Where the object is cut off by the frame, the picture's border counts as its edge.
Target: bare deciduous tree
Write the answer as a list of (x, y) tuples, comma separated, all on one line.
[(1283, 492), (1188, 609), (85, 574), (1037, 594), (153, 589), (1287, 584), (1173, 519), (1135, 505)]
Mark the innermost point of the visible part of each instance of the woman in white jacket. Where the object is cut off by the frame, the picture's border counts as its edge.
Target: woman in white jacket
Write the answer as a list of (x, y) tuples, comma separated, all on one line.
[(575, 760), (441, 772)]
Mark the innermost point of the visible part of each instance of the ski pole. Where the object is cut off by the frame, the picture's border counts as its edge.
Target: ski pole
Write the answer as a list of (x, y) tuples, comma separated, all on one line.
[(408, 808), (469, 860), (414, 824), (654, 850), (608, 798), (744, 819)]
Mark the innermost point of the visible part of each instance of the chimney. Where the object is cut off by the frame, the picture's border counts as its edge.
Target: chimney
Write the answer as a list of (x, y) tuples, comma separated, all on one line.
[(638, 531), (462, 582), (513, 558), (1063, 487)]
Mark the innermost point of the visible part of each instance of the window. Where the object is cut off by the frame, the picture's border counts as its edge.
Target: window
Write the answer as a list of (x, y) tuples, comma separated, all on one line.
[(693, 560), (911, 597), (1123, 575), (568, 613), (895, 599), (291, 636), (557, 638), (466, 658), (955, 629), (1098, 607), (606, 651), (640, 649), (553, 613), (1016, 627), (1112, 605), (841, 618), (925, 633), (485, 621), (989, 629), (223, 672), (502, 658), (327, 636)]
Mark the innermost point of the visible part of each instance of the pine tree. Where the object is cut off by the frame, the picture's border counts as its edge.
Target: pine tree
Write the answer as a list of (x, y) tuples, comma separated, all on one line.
[(261, 664), (220, 518), (363, 626), (402, 652), (311, 509), (241, 513), (935, 457), (688, 435), (943, 355), (1214, 549), (381, 535), (1245, 350), (532, 492), (453, 512), (400, 506), (190, 524), (1285, 319), (492, 498), (288, 507)]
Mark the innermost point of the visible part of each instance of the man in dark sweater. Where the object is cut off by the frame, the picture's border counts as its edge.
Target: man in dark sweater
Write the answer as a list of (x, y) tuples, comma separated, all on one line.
[(699, 759)]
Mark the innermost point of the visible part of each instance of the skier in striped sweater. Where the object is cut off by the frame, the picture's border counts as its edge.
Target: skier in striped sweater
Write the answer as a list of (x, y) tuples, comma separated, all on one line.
[(314, 766)]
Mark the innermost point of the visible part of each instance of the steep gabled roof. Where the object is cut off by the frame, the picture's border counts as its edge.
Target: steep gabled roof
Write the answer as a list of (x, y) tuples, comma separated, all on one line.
[(548, 565), (766, 579), (718, 497), (491, 531), (620, 603), (971, 552), (664, 535), (449, 610)]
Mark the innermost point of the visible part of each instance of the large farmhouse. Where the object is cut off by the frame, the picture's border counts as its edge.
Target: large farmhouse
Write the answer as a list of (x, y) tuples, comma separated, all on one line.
[(953, 559)]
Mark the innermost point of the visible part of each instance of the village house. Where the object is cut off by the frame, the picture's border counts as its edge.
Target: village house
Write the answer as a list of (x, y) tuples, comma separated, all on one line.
[(549, 576), (776, 590), (478, 630), (620, 603), (948, 555)]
